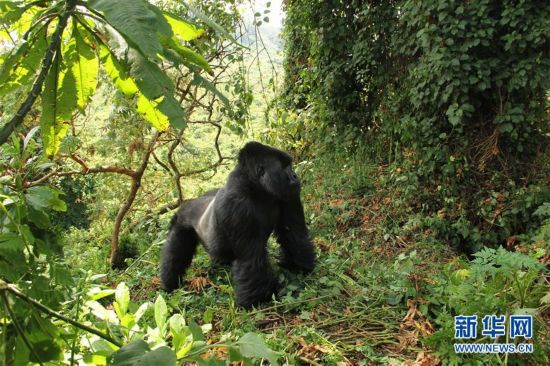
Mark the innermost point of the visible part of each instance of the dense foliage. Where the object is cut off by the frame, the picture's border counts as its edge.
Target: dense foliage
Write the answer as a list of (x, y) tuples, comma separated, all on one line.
[(452, 92), (450, 98)]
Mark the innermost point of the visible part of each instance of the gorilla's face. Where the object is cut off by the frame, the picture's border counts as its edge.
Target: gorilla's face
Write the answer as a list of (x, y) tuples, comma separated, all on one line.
[(277, 178), (270, 170)]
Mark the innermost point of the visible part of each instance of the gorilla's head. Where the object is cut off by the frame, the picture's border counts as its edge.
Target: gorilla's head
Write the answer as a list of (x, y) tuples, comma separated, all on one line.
[(269, 170)]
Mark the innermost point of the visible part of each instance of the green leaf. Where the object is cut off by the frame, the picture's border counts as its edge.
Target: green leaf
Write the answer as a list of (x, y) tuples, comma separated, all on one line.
[(155, 100), (118, 73), (251, 345), (11, 242), (46, 350), (182, 29), (39, 218), (150, 79), (22, 353), (138, 353), (11, 11), (172, 109), (23, 64), (42, 197), (161, 313), (58, 103), (154, 84), (182, 340), (196, 331), (135, 20), (122, 297), (85, 69), (187, 56), (97, 293), (160, 356), (39, 197), (150, 112)]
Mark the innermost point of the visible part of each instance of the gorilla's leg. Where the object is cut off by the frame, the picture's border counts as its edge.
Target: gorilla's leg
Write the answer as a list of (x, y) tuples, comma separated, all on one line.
[(177, 253), (298, 253), (254, 280)]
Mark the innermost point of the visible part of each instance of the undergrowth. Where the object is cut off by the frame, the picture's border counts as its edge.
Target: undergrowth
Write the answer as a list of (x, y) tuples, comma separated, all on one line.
[(387, 283)]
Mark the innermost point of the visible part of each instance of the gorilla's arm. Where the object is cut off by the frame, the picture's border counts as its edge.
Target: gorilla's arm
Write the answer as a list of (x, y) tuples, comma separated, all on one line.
[(298, 253), (253, 276)]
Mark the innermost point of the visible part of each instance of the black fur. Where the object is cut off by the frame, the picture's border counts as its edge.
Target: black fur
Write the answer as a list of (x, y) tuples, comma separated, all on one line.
[(261, 196)]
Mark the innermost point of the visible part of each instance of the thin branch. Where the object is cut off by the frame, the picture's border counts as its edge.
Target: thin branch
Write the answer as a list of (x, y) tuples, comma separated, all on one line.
[(177, 174), (136, 183), (14, 290)]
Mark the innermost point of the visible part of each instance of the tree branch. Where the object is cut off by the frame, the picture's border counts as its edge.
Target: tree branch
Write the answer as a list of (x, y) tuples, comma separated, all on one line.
[(136, 183)]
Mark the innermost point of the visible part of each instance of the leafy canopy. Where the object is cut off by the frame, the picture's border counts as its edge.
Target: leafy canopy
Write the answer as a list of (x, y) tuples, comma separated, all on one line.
[(60, 48)]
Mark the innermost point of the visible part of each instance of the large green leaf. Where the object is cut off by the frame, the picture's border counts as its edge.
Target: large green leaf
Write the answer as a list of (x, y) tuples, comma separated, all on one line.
[(23, 64), (185, 55), (43, 197), (136, 20), (48, 118), (59, 101), (11, 11), (85, 69), (161, 313), (156, 86), (150, 79), (172, 109), (251, 345), (149, 110), (161, 110), (118, 73), (138, 353), (10, 242), (122, 297), (182, 29)]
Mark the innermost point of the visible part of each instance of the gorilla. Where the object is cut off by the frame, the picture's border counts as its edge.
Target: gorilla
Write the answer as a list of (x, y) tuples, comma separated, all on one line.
[(261, 196)]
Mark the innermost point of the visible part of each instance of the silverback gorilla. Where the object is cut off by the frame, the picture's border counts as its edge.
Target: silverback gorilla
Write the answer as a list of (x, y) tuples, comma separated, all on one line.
[(261, 196)]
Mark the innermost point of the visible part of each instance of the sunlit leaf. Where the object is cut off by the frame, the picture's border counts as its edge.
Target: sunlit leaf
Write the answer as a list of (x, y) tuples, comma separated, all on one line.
[(186, 56), (85, 69), (118, 73), (149, 110), (161, 313), (97, 293), (122, 297), (22, 64), (182, 29), (58, 103)]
